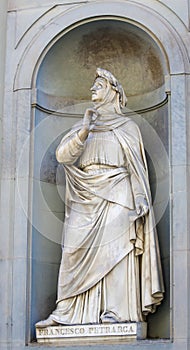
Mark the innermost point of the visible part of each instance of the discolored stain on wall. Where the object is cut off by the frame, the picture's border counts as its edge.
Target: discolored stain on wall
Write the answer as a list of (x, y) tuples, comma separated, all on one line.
[(130, 58), (128, 52), (68, 70)]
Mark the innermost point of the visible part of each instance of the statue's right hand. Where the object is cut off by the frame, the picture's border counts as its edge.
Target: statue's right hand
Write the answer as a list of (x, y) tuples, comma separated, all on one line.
[(89, 113), (87, 120)]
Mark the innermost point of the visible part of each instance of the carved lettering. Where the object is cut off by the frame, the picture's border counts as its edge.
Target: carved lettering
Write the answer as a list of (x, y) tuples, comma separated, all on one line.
[(131, 329), (125, 329), (87, 331), (113, 330), (107, 329), (119, 329), (45, 331)]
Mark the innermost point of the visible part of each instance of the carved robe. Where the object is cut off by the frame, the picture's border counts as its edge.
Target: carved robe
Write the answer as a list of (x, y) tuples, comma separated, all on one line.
[(110, 269)]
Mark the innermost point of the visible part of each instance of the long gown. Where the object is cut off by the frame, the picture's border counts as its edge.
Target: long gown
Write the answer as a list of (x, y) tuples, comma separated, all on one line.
[(110, 269)]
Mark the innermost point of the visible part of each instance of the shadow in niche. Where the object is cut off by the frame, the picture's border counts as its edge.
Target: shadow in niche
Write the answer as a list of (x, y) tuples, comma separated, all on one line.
[(159, 322), (137, 62), (48, 214), (156, 147), (44, 278)]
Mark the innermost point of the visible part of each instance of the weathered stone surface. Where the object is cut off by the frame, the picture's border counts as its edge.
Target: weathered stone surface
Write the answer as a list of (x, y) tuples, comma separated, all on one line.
[(94, 332), (114, 45), (23, 4), (180, 7), (168, 30)]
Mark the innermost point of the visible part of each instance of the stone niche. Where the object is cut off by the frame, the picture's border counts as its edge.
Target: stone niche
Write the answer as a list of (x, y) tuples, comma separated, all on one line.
[(62, 93)]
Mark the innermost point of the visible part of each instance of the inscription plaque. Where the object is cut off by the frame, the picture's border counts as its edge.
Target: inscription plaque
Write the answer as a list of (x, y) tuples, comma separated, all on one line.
[(119, 331)]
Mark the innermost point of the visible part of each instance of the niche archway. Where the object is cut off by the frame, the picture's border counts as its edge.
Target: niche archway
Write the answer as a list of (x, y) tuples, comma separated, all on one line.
[(63, 83)]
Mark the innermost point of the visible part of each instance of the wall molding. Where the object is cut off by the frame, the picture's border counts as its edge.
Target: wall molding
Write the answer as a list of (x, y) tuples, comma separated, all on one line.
[(127, 114)]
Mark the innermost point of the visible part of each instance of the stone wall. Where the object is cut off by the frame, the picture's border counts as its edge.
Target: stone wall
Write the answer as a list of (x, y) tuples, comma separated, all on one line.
[(33, 31), (3, 18)]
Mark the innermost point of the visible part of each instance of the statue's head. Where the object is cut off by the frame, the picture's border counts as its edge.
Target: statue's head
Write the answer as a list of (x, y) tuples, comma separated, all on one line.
[(107, 89)]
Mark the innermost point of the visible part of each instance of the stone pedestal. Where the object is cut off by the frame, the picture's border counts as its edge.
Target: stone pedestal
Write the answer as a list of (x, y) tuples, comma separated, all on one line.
[(117, 332)]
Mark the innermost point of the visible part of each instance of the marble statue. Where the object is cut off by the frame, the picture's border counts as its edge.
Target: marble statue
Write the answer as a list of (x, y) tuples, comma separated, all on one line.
[(110, 269)]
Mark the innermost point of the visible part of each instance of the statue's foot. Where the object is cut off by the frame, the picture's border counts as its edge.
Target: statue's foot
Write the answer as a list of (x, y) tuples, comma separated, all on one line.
[(46, 323), (108, 319)]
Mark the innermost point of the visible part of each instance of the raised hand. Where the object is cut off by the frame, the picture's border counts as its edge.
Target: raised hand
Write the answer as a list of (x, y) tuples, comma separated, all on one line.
[(89, 115)]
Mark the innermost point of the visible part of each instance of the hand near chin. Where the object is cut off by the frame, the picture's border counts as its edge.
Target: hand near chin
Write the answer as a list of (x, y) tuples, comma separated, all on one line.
[(89, 116)]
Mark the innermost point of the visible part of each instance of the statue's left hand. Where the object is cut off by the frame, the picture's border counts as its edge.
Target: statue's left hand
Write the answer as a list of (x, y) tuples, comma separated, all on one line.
[(141, 204)]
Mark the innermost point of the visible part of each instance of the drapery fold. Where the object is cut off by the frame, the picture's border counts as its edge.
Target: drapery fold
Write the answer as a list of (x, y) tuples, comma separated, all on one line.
[(101, 227)]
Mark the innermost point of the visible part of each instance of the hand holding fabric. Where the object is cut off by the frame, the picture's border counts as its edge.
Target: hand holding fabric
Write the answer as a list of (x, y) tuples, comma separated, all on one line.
[(141, 204)]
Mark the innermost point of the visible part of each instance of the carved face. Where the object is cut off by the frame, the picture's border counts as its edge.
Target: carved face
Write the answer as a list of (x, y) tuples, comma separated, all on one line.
[(99, 90)]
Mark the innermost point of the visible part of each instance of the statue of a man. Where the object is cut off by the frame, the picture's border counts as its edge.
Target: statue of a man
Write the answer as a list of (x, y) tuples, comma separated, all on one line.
[(110, 269)]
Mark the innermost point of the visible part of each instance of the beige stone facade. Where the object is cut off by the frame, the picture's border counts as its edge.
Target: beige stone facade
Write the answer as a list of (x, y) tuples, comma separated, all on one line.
[(45, 45)]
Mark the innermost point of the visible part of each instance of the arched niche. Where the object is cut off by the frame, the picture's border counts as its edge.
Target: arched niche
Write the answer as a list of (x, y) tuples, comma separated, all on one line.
[(62, 93)]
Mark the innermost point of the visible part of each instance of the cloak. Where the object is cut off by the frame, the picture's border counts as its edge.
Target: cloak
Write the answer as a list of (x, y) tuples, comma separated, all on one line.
[(101, 225)]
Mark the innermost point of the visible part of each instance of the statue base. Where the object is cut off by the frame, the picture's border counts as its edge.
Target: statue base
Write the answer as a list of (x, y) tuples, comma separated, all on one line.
[(115, 332)]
